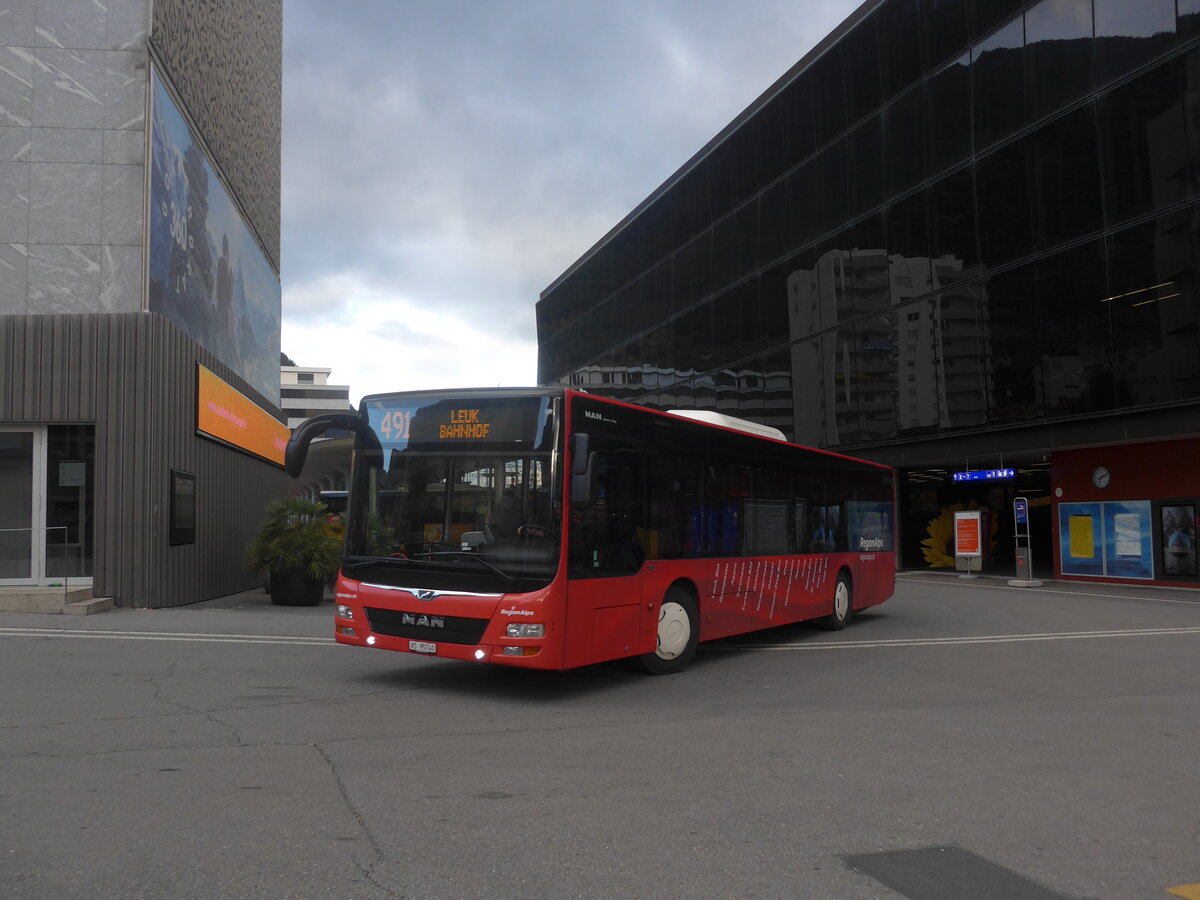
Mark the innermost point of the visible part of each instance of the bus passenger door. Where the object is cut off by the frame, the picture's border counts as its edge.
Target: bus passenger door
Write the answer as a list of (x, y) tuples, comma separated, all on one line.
[(605, 559)]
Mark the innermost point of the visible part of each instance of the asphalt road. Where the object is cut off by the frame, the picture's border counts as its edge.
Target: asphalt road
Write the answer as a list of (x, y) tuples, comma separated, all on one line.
[(1036, 740)]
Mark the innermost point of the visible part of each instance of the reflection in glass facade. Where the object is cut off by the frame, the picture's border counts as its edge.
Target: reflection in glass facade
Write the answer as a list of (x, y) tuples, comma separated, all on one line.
[(955, 217)]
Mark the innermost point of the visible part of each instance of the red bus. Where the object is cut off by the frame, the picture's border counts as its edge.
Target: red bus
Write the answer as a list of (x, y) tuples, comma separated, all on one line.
[(549, 528)]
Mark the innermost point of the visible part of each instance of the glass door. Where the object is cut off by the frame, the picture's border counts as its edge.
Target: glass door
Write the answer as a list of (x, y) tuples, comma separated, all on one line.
[(22, 539)]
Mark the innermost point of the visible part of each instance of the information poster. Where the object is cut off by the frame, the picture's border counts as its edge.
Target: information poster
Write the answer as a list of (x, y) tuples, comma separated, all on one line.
[(1114, 539), (1080, 527)]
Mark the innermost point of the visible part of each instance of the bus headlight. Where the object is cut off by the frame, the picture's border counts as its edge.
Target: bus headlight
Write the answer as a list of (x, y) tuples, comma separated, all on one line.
[(344, 612), (525, 630)]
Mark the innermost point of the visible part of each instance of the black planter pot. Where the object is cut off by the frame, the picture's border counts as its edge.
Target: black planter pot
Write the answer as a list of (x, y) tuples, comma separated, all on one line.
[(296, 588)]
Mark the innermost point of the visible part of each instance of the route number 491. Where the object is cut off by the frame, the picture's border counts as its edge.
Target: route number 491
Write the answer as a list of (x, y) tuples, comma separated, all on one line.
[(395, 424)]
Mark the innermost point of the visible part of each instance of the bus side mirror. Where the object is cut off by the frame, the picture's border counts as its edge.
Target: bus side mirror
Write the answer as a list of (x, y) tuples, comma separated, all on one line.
[(583, 473)]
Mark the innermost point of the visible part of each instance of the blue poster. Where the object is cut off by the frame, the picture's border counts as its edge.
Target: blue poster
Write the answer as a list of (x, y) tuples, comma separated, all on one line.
[(1128, 539), (207, 272)]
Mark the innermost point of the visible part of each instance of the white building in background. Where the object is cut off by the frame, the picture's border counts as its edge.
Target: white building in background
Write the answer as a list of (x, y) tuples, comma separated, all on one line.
[(305, 391)]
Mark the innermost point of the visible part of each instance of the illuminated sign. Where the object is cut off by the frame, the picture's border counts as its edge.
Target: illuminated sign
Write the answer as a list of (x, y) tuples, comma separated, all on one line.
[(229, 416), (985, 475), (425, 423)]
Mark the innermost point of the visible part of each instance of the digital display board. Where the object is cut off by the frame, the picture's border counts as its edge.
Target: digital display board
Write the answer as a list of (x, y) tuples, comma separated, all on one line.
[(465, 423), (229, 416), (985, 475)]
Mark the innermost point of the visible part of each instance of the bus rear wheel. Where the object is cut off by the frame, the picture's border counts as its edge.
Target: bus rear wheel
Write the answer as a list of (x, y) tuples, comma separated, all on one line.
[(843, 604), (678, 634)]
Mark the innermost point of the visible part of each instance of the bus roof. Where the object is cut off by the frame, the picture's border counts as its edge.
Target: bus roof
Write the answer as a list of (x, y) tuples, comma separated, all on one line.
[(716, 418)]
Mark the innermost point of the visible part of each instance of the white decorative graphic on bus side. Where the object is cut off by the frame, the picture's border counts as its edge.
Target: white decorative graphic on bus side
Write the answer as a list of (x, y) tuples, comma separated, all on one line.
[(768, 580)]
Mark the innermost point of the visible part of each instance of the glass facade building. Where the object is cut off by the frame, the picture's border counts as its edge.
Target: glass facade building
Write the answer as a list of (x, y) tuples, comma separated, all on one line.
[(957, 235)]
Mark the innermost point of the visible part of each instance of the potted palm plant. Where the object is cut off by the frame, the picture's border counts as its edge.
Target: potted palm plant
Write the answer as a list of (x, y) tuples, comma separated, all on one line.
[(300, 547)]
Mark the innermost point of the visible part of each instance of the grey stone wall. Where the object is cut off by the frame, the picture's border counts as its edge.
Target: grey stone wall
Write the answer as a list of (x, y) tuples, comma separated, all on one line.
[(73, 79)]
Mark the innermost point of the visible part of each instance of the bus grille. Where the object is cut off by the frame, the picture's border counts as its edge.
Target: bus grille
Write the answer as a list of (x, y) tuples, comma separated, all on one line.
[(424, 627)]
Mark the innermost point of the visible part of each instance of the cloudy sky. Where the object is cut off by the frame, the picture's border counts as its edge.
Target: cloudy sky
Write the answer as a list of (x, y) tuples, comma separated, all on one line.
[(444, 162)]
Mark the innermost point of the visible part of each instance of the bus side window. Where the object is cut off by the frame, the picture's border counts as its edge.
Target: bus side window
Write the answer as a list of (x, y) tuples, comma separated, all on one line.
[(606, 538)]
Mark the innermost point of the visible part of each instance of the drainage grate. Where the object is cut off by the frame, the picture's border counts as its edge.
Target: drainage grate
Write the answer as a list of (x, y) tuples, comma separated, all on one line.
[(948, 873)]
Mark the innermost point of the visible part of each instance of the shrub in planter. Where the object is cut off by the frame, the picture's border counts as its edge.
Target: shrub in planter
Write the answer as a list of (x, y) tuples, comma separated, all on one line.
[(300, 546)]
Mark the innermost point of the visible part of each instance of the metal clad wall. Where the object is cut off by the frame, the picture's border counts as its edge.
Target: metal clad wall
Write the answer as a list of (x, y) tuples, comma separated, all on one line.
[(133, 375)]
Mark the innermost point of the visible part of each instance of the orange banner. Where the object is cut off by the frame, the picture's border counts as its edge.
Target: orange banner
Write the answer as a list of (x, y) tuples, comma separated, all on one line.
[(225, 413)]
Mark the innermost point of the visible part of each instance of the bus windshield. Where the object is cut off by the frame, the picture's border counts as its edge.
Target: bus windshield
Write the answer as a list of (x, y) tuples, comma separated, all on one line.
[(461, 486)]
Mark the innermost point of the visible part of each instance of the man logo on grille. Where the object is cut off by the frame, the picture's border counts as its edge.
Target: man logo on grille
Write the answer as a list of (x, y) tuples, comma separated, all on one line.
[(426, 595)]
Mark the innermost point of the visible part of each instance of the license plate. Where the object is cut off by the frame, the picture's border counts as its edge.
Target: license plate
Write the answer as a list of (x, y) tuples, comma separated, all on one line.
[(422, 647)]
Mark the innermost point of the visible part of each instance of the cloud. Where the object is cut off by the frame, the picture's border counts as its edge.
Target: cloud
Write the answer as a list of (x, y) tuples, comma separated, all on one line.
[(453, 159)]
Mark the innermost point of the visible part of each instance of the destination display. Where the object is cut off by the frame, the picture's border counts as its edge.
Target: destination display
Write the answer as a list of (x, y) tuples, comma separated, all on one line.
[(413, 423), (985, 474)]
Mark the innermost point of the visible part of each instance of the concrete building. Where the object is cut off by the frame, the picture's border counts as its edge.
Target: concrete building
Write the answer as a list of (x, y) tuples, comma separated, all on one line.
[(140, 429)]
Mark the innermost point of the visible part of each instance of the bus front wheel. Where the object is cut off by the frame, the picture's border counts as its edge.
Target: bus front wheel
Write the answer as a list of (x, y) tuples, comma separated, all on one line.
[(678, 634), (843, 604)]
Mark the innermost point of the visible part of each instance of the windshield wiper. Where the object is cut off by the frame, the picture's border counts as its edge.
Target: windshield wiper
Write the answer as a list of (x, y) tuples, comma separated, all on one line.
[(354, 563), (458, 554)]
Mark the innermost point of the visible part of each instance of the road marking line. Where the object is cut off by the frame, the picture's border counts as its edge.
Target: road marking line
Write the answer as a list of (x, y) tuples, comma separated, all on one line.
[(1187, 891), (979, 639), (916, 578), (169, 636)]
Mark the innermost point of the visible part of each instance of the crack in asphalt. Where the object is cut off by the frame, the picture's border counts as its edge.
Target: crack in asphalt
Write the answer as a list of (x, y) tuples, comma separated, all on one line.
[(368, 871)]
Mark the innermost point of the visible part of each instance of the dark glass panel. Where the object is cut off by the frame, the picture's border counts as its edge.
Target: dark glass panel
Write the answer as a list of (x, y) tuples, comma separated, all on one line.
[(808, 396), (899, 45), (803, 294), (951, 205), (1152, 302), (861, 60), (1075, 334), (835, 279), (842, 351), (724, 388), (657, 293), (908, 247), (1065, 177), (773, 291), (743, 150), (1129, 34), (746, 256), (684, 360), (961, 379), (803, 204), (773, 232), (876, 376), (998, 77), (689, 205), (832, 186), (1143, 148), (944, 31), (750, 390), (627, 309), (797, 111), (724, 248), (777, 391), (1191, 112), (693, 271), (1189, 19), (947, 122), (984, 15), (719, 164), (659, 349), (725, 317), (699, 327), (865, 146), (1009, 311), (870, 288), (749, 331), (829, 95), (918, 392), (1005, 214), (1058, 54), (768, 142), (904, 140)]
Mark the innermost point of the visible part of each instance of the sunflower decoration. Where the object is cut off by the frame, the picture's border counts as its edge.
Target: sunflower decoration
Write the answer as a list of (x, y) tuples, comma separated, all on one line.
[(939, 546)]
